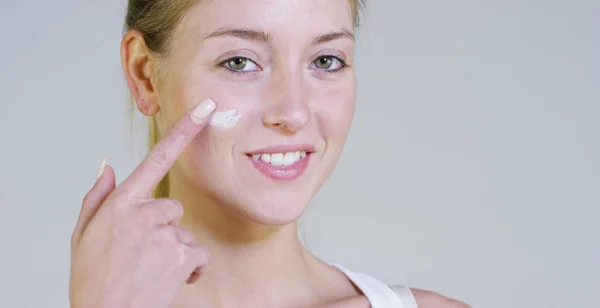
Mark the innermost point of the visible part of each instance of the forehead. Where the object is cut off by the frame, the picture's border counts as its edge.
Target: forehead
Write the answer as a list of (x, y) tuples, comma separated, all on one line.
[(277, 17)]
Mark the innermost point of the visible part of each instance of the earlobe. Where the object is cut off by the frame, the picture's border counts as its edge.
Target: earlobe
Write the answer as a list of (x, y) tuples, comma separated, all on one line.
[(146, 108), (138, 66)]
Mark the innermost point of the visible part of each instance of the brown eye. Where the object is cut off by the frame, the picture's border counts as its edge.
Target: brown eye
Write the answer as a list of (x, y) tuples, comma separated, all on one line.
[(324, 62)]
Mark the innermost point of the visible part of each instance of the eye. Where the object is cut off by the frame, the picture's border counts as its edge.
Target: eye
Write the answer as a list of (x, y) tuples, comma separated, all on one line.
[(330, 63), (240, 64)]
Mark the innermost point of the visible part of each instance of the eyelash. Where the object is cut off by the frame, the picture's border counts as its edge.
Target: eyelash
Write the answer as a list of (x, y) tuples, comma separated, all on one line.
[(223, 66), (343, 65), (341, 69)]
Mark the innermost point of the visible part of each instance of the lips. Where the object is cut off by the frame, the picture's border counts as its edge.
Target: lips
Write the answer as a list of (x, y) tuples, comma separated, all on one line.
[(280, 159), (284, 163)]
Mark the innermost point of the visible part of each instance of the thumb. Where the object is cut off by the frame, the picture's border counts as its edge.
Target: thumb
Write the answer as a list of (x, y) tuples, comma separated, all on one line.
[(104, 186)]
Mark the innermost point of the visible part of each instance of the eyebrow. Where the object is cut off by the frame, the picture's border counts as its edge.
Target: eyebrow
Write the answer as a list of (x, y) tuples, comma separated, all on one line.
[(243, 33), (266, 38), (344, 33)]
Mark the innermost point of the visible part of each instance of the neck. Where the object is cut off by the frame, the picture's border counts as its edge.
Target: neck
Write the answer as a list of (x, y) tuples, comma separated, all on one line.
[(248, 259)]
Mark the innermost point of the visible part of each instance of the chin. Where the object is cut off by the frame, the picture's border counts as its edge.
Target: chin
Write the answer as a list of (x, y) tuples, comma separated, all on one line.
[(274, 207)]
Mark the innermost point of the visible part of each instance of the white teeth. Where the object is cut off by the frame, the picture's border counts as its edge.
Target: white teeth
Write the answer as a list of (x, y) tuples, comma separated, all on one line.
[(277, 159), (280, 159), (289, 159), (266, 158)]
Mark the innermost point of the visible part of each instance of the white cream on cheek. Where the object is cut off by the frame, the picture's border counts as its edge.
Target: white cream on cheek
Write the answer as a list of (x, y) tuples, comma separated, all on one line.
[(225, 119)]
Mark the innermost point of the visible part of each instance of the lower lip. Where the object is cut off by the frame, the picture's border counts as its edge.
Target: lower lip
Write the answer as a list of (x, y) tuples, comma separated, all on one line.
[(282, 173)]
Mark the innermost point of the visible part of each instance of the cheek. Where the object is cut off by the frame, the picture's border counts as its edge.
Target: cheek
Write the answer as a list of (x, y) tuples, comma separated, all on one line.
[(239, 105), (217, 146), (239, 108), (334, 112), (236, 101)]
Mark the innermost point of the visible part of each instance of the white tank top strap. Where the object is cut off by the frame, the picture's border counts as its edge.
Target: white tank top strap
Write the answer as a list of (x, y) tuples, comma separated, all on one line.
[(406, 296), (379, 294)]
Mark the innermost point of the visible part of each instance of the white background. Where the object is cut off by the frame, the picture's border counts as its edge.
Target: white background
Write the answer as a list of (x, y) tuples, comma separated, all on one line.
[(472, 168)]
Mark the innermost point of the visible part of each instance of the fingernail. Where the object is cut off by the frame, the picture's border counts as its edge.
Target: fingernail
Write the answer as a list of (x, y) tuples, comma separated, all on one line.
[(100, 171), (203, 110)]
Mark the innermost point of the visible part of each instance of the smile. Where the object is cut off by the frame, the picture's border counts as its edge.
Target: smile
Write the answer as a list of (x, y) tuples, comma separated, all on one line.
[(279, 163), (280, 159)]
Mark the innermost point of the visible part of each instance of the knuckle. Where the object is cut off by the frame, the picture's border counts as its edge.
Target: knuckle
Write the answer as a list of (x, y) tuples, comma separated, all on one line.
[(190, 236), (159, 243), (183, 134), (176, 205), (118, 200), (202, 255), (184, 236), (159, 156), (157, 212), (87, 199), (147, 216), (170, 207), (182, 255)]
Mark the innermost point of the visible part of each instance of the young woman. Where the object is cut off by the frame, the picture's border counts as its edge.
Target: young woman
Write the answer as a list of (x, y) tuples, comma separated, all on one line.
[(250, 103)]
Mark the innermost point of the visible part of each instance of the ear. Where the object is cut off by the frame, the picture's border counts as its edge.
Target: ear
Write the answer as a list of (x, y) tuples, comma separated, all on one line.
[(139, 67)]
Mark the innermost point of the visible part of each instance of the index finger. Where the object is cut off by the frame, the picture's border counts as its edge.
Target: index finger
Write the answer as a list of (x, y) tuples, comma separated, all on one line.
[(144, 179)]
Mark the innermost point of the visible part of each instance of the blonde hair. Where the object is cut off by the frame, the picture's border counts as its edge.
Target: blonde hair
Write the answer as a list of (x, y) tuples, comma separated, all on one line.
[(156, 20)]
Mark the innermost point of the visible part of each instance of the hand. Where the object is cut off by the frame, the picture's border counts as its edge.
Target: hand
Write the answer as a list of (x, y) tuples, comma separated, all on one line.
[(127, 249)]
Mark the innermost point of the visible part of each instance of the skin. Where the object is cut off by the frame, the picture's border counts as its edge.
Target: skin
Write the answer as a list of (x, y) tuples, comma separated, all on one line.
[(246, 220)]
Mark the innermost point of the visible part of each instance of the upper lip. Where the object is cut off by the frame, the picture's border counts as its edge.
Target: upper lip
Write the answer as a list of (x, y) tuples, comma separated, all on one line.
[(284, 149)]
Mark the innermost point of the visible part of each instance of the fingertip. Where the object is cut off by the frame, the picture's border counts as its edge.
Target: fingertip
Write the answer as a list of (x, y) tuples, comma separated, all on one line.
[(109, 176), (100, 170), (106, 180), (104, 185), (201, 112), (201, 254)]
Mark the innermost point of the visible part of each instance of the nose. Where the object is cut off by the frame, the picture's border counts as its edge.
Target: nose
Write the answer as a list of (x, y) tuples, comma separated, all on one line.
[(288, 109)]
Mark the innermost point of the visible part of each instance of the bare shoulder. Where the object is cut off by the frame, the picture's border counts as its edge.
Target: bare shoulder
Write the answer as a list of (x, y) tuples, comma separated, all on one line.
[(429, 299)]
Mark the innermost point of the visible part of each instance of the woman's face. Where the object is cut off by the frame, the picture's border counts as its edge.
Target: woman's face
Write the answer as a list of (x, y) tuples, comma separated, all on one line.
[(284, 70)]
